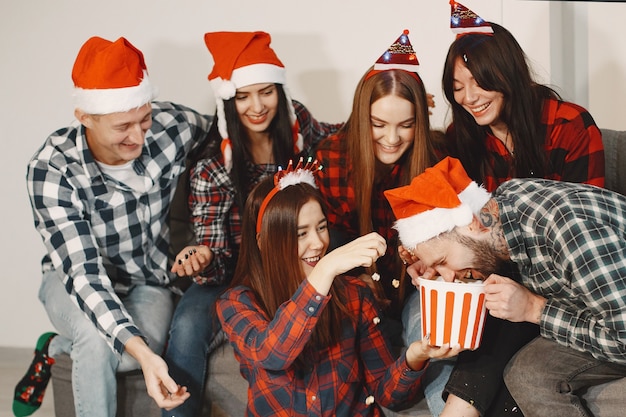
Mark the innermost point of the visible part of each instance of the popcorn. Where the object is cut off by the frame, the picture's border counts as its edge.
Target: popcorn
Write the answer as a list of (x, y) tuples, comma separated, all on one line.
[(369, 400), (395, 283), (375, 276), (376, 320)]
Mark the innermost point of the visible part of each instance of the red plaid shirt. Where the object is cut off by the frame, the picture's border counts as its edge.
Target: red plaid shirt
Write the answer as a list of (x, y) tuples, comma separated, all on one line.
[(336, 185), (342, 379), (573, 145), (212, 200)]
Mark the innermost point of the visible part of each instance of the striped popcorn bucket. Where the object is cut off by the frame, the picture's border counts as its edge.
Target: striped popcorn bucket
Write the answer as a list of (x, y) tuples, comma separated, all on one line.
[(453, 312)]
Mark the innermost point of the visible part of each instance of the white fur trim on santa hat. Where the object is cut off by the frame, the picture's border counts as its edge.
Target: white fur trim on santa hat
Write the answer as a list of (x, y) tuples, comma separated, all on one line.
[(416, 229), (248, 75), (258, 73), (474, 196), (391, 66), (114, 100), (473, 29)]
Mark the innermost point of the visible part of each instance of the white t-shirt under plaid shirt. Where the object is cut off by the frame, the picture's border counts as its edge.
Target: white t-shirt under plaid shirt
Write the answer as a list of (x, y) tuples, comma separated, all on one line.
[(104, 236), (569, 242)]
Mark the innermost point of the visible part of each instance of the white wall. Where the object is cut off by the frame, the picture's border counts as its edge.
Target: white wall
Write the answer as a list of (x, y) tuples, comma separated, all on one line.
[(326, 45), (607, 64)]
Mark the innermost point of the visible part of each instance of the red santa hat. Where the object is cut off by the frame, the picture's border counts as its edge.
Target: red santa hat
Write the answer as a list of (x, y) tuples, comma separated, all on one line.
[(400, 55), (436, 201), (110, 77), (464, 21), (242, 59)]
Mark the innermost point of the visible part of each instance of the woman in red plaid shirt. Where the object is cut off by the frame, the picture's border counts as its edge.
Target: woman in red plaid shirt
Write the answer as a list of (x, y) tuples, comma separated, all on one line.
[(308, 338), (386, 141), (505, 125)]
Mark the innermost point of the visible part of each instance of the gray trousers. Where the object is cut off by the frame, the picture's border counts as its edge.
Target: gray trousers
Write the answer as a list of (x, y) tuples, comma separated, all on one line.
[(548, 379)]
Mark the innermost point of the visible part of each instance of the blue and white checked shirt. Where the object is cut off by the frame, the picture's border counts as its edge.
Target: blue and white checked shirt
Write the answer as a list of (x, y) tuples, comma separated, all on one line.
[(569, 241), (102, 235)]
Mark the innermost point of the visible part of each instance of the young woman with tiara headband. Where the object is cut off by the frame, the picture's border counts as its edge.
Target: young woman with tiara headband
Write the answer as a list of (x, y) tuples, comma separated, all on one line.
[(308, 337), (386, 141), (257, 127)]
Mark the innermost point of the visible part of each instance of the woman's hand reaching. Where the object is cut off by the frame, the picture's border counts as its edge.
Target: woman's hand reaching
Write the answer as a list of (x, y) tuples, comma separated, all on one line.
[(420, 351), (363, 251), (192, 260)]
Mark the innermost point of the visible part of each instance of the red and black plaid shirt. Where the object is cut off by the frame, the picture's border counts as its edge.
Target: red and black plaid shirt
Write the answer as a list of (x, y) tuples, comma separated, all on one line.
[(573, 146), (351, 378)]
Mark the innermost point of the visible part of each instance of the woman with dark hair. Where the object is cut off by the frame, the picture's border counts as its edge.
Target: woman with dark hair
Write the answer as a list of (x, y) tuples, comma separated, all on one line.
[(386, 141), (257, 128), (505, 125), (306, 336)]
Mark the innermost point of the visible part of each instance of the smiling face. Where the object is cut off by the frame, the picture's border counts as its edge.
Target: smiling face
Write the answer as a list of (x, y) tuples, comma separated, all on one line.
[(257, 105), (485, 106), (313, 237), (393, 127), (117, 138), (455, 256)]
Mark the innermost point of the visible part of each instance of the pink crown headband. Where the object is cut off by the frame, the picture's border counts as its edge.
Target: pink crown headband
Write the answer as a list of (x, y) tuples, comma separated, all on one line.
[(301, 173)]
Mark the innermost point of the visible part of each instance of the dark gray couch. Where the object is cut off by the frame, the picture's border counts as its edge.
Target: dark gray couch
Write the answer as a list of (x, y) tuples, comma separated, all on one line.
[(614, 142)]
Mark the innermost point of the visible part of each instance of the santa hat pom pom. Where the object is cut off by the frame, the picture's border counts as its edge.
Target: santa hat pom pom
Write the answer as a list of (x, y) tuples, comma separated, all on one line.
[(226, 90)]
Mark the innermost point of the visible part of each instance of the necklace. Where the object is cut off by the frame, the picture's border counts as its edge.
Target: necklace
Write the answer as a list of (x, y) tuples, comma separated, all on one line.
[(509, 145)]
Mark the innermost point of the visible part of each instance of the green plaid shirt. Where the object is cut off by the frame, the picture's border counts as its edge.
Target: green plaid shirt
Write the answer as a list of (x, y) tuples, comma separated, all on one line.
[(569, 242)]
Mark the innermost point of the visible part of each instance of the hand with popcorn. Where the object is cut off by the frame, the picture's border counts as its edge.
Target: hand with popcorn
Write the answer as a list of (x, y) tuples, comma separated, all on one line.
[(361, 252)]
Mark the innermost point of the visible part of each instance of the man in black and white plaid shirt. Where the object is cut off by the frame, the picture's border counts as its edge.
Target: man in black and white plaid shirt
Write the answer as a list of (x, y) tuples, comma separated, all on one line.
[(100, 190), (567, 245)]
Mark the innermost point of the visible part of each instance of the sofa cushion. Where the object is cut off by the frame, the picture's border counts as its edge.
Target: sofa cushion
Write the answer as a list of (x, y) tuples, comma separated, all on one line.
[(614, 142)]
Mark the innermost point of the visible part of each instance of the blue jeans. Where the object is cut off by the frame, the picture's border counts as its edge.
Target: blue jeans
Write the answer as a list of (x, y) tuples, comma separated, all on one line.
[(545, 375), (94, 363), (193, 327), (438, 372)]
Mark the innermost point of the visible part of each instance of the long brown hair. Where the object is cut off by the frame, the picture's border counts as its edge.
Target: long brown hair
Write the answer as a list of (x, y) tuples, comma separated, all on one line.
[(269, 263), (358, 134), (360, 146), (498, 63)]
